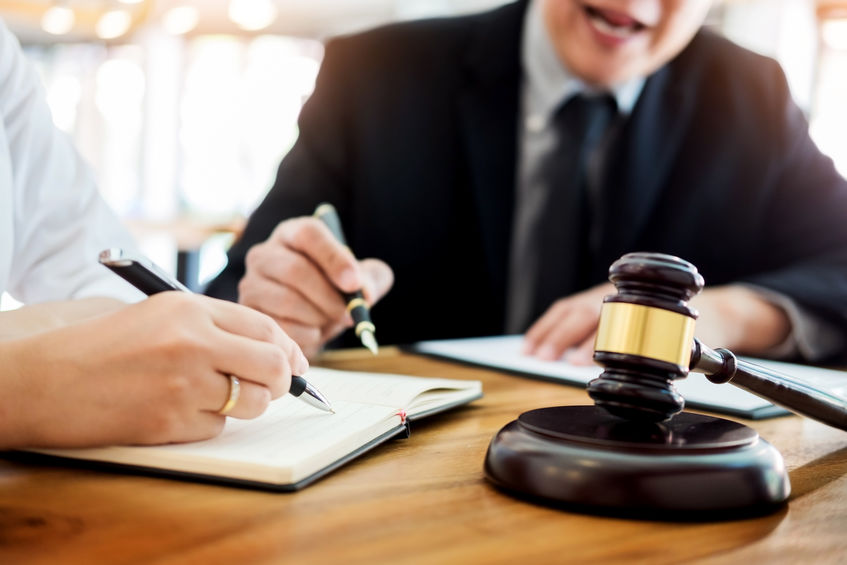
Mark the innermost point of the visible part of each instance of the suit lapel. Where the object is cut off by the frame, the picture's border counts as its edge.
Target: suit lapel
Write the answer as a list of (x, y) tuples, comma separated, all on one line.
[(488, 113), (649, 144)]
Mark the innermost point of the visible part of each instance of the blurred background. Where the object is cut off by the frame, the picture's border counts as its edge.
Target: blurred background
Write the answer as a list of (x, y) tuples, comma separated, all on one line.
[(184, 108)]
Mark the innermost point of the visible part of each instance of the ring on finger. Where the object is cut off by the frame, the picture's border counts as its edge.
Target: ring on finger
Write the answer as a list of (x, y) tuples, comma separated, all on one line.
[(232, 398)]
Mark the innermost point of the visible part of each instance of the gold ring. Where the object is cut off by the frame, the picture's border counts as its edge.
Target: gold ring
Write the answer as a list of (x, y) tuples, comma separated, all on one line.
[(232, 399)]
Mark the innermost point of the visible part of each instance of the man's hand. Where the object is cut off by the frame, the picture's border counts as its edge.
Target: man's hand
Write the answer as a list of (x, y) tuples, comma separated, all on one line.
[(731, 316), (297, 275), (569, 324), (739, 319)]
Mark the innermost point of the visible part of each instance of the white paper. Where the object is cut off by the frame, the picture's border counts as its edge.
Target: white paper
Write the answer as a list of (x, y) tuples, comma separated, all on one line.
[(504, 352)]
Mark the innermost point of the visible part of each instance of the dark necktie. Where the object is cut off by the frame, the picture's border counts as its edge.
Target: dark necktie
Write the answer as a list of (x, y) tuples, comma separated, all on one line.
[(562, 232)]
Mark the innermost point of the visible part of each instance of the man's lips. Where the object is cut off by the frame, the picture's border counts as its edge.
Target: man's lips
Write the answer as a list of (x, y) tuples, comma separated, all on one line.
[(613, 22)]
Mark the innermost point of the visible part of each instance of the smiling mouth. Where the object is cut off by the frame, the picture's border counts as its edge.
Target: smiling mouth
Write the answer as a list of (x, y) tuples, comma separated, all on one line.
[(614, 23)]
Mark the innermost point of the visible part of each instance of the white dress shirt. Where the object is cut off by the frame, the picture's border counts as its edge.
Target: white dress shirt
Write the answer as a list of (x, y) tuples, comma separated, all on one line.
[(53, 222)]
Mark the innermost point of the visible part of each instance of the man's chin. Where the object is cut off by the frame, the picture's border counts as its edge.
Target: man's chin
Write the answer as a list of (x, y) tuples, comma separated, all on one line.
[(608, 76)]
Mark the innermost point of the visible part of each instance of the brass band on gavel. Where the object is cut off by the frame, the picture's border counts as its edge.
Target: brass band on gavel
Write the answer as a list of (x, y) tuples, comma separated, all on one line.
[(646, 331)]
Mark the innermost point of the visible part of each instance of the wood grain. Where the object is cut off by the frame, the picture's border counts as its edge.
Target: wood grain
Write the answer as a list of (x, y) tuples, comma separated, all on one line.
[(419, 500)]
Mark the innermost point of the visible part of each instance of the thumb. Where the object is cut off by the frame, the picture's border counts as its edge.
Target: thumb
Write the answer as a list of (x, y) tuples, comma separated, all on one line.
[(378, 279)]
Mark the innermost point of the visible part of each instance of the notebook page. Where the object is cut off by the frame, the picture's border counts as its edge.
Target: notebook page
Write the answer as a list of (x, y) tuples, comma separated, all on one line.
[(289, 441), (391, 390)]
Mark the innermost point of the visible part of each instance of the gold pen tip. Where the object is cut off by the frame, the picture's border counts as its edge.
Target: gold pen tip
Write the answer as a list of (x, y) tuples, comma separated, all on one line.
[(369, 341)]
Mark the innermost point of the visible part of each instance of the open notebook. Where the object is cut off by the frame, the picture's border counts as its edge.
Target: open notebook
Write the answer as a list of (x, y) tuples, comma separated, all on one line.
[(292, 444), (504, 353)]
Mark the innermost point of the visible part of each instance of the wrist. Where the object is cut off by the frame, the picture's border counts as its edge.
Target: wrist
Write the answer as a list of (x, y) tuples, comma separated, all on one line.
[(738, 318), (46, 316)]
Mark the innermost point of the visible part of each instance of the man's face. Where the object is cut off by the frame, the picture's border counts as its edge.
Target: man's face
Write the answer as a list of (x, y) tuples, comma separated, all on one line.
[(605, 42)]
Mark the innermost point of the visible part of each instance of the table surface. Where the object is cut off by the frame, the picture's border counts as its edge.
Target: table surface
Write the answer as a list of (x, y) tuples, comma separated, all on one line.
[(419, 500)]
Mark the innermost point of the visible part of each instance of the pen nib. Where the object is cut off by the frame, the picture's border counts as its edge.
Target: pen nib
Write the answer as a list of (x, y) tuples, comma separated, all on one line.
[(312, 396), (369, 341)]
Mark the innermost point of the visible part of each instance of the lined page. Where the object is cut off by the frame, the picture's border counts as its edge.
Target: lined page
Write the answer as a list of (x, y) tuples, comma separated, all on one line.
[(293, 440), (288, 442), (290, 430), (392, 390)]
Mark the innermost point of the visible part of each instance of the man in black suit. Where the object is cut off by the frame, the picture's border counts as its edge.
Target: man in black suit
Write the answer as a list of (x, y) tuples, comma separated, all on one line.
[(430, 138)]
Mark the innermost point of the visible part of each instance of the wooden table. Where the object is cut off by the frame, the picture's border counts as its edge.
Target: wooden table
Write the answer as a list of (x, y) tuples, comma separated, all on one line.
[(421, 500)]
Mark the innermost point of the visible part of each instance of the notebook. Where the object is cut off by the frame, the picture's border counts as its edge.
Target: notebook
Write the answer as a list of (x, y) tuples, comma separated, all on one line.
[(504, 353), (293, 444)]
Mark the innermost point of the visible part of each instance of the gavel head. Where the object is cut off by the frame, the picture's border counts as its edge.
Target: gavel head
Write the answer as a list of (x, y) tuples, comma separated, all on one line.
[(645, 336)]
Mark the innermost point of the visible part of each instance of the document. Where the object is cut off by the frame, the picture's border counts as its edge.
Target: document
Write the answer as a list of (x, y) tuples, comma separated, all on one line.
[(504, 353), (293, 444)]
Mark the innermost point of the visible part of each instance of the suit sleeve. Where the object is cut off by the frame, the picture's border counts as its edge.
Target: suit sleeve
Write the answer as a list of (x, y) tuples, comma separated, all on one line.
[(313, 171), (805, 237)]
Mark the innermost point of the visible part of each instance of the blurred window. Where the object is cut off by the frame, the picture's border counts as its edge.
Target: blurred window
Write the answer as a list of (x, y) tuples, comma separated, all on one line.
[(238, 117), (829, 116), (181, 129), (218, 123)]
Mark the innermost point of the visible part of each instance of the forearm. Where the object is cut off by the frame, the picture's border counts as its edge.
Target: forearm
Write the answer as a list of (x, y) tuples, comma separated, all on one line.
[(20, 403), (29, 320)]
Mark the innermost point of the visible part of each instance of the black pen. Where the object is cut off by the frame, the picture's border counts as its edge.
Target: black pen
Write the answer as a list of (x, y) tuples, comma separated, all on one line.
[(147, 277), (356, 304)]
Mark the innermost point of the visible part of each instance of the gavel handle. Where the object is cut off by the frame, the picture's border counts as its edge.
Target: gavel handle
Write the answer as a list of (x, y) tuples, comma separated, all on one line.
[(721, 366)]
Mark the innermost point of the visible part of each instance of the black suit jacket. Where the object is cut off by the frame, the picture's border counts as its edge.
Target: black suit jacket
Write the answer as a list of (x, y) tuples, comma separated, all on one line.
[(412, 133)]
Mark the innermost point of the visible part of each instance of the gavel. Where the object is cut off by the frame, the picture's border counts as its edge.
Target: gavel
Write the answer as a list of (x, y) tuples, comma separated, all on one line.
[(635, 452), (645, 340)]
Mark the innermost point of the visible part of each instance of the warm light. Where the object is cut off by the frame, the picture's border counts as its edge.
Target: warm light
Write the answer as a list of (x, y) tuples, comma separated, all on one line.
[(834, 33), (180, 20), (113, 24), (63, 96), (58, 20), (130, 1), (252, 14), (120, 92)]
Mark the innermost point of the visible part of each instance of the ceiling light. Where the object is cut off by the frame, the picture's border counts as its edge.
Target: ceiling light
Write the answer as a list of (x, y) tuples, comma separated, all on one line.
[(113, 24), (58, 20), (252, 14), (180, 19)]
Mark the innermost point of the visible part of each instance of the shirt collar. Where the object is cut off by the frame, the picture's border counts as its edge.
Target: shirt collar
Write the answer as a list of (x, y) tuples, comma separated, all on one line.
[(548, 83)]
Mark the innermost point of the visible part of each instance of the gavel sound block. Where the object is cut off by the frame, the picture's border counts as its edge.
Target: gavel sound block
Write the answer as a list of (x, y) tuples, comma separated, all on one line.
[(635, 452)]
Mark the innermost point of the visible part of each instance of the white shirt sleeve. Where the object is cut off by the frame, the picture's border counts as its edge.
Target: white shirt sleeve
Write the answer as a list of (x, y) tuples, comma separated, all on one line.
[(53, 222)]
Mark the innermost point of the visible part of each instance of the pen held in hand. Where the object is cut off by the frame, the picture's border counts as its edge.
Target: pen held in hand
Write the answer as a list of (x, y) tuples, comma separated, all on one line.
[(147, 277), (356, 304)]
